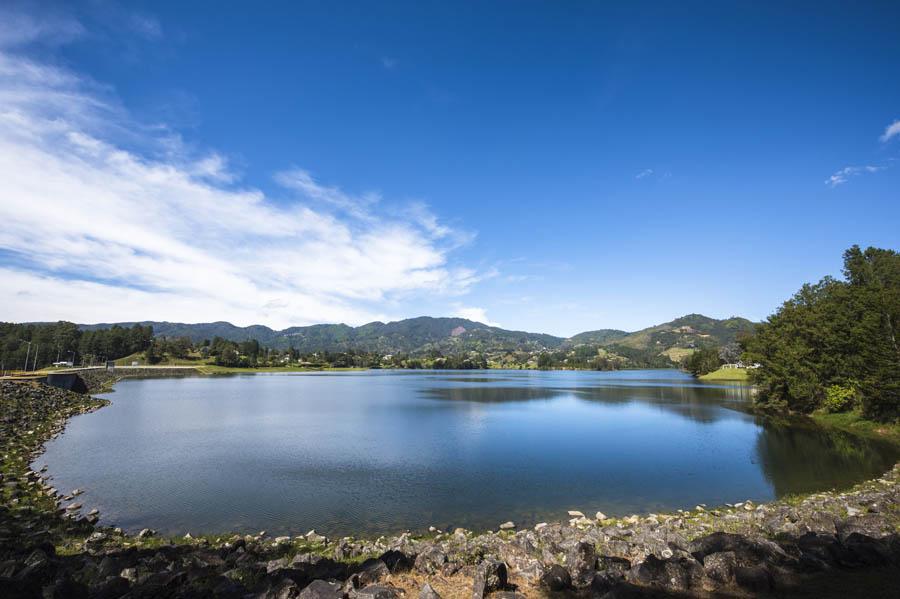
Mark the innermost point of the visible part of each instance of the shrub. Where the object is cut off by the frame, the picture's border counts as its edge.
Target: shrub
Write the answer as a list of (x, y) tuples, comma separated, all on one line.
[(839, 398)]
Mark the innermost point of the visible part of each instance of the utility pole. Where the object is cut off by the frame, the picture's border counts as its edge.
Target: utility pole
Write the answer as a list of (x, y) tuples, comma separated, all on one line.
[(27, 353), (37, 346)]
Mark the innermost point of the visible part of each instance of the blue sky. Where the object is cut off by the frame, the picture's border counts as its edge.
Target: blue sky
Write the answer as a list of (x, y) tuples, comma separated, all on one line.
[(552, 167)]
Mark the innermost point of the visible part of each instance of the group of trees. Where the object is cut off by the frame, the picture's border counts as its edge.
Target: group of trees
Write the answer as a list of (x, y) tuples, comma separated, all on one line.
[(834, 344), (43, 344), (709, 358)]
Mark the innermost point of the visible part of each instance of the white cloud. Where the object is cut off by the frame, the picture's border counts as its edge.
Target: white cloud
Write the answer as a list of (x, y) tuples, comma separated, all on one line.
[(388, 63), (103, 221), (890, 131), (644, 173), (841, 176), (476, 314)]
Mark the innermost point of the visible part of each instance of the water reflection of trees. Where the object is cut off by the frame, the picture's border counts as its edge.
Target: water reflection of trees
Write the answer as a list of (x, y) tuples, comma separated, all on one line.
[(701, 404), (797, 457)]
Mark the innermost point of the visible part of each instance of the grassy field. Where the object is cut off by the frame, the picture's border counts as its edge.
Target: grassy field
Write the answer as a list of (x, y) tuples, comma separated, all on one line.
[(727, 374), (677, 354)]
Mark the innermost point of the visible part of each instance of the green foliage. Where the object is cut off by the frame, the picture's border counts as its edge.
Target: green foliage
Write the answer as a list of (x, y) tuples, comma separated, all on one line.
[(702, 361), (832, 333), (544, 361), (64, 341), (839, 398)]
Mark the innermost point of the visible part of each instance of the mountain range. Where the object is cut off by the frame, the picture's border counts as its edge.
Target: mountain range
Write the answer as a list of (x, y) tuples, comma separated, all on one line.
[(421, 335)]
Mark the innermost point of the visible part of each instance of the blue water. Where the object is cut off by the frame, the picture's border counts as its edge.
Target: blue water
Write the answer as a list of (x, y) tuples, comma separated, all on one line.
[(384, 451)]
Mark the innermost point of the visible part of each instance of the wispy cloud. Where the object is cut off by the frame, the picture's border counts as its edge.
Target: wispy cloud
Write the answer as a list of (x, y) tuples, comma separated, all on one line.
[(644, 173), (302, 181), (18, 28), (388, 63), (476, 314), (105, 219), (892, 130), (843, 175)]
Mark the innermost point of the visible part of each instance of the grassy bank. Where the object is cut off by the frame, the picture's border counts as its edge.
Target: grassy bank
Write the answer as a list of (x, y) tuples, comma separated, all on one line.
[(727, 374), (855, 423)]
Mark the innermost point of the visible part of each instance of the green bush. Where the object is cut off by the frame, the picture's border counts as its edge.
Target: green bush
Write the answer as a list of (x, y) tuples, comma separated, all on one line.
[(839, 398)]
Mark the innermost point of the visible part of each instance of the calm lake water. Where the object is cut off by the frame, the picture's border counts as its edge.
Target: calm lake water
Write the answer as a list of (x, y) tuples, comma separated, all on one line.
[(384, 451)]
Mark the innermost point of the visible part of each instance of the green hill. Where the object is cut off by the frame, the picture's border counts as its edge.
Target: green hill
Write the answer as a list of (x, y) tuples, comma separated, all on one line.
[(659, 346), (598, 337), (676, 338)]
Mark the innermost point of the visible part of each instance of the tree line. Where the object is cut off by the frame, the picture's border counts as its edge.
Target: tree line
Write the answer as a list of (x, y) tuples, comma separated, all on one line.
[(834, 344), (42, 344)]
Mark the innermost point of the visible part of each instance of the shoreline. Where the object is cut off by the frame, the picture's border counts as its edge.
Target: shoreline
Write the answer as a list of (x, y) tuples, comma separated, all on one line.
[(661, 550)]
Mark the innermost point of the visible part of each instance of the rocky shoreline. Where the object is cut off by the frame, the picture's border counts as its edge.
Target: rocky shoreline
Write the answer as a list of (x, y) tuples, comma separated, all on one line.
[(809, 546)]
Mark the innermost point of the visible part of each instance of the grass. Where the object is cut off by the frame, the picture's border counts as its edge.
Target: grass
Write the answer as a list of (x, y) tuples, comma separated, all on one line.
[(727, 374), (677, 354), (855, 423)]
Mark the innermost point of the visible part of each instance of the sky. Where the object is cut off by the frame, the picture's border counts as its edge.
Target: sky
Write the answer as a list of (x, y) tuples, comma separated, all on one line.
[(542, 166)]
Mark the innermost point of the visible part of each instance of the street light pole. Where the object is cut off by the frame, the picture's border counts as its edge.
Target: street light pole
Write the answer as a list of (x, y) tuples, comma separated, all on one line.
[(37, 346)]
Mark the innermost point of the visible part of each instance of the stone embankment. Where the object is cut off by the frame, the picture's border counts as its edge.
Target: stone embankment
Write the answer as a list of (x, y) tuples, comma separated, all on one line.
[(49, 548), (99, 380)]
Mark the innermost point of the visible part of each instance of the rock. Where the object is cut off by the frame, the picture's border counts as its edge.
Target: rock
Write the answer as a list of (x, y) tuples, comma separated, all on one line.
[(540, 525), (507, 526), (720, 566), (431, 560), (371, 571), (276, 564), (677, 574), (610, 573), (600, 516), (575, 514), (321, 589), (508, 595), (556, 578), (490, 576), (753, 578), (396, 561), (375, 591), (428, 592), (129, 574), (314, 537), (146, 533), (581, 562), (282, 540)]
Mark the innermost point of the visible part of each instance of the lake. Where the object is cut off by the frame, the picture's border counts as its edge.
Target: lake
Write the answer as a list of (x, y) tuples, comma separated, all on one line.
[(375, 452)]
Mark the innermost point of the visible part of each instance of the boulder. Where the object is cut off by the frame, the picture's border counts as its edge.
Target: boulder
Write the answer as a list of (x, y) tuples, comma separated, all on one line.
[(431, 560), (396, 561), (581, 561), (556, 578), (720, 566), (490, 576), (321, 589), (371, 571), (428, 592), (676, 574), (375, 591)]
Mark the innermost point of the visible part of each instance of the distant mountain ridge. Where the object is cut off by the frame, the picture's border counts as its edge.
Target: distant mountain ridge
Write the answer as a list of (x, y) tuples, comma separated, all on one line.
[(443, 334)]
